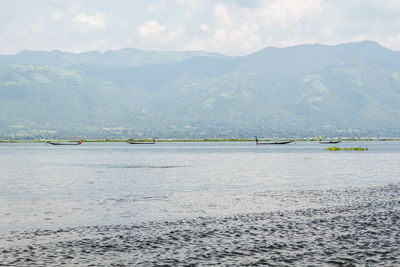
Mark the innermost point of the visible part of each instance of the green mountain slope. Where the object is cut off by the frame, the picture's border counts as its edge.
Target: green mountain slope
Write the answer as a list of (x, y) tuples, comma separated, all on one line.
[(348, 90)]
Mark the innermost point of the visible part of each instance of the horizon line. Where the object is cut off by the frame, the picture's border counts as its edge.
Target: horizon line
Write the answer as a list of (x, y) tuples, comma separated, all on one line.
[(196, 51)]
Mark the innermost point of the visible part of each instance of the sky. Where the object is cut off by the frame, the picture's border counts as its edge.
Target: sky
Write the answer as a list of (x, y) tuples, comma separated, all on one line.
[(231, 27)]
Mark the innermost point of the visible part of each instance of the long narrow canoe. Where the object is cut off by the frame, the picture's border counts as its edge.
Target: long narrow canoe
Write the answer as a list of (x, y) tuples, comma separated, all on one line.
[(330, 142), (274, 143), (142, 142), (65, 143)]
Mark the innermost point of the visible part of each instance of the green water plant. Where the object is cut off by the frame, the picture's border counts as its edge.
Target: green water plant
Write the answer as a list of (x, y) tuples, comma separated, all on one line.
[(335, 148), (355, 149)]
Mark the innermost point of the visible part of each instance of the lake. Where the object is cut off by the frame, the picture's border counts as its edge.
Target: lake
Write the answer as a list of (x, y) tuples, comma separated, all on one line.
[(207, 202)]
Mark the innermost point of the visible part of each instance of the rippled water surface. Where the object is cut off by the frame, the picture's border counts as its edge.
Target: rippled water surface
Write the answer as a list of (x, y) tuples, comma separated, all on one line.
[(199, 203)]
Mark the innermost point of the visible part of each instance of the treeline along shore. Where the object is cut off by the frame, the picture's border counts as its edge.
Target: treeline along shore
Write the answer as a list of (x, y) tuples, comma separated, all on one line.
[(197, 140)]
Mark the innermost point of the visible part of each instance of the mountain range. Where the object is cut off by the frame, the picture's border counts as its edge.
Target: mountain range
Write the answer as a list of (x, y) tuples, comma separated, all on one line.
[(351, 89)]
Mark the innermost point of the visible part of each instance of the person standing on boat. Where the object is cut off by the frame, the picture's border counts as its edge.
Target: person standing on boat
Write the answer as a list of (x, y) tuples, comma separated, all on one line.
[(256, 139)]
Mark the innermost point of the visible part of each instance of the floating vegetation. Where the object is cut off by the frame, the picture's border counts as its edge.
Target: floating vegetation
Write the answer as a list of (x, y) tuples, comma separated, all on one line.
[(335, 148), (355, 149)]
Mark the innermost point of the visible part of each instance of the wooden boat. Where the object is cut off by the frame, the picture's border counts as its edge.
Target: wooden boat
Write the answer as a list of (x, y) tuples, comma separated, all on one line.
[(142, 142), (65, 143), (330, 142), (273, 142)]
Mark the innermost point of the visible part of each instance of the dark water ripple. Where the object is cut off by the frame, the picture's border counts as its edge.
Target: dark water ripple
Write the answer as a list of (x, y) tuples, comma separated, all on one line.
[(363, 232)]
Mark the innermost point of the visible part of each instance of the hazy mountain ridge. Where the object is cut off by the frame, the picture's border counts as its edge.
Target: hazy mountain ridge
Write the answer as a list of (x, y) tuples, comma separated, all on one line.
[(127, 57), (350, 89)]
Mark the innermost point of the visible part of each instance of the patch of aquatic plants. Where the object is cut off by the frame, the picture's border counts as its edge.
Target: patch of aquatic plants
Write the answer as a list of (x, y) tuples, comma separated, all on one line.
[(335, 148), (355, 149)]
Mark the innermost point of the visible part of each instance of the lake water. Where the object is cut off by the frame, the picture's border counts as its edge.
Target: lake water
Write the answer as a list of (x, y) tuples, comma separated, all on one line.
[(228, 195)]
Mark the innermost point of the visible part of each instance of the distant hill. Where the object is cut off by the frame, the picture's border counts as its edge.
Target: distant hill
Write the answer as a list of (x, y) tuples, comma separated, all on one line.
[(128, 57), (308, 90)]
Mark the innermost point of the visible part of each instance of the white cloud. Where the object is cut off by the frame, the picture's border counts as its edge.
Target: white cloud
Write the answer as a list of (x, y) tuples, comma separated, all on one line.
[(150, 28), (173, 36), (222, 14), (99, 20), (392, 41), (284, 13), (156, 7), (233, 27), (194, 6), (220, 35), (238, 40), (205, 28), (99, 45), (181, 2), (58, 15), (39, 26), (22, 33), (247, 34), (188, 14)]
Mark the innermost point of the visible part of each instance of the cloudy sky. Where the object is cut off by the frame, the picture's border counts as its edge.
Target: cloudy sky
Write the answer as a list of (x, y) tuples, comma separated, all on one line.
[(232, 27)]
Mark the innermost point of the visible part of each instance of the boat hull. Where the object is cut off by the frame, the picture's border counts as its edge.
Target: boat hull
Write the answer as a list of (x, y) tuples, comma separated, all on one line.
[(63, 144), (141, 143), (274, 143), (329, 142)]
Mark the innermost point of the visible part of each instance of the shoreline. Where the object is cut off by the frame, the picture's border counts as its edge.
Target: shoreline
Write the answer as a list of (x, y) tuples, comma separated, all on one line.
[(193, 140)]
